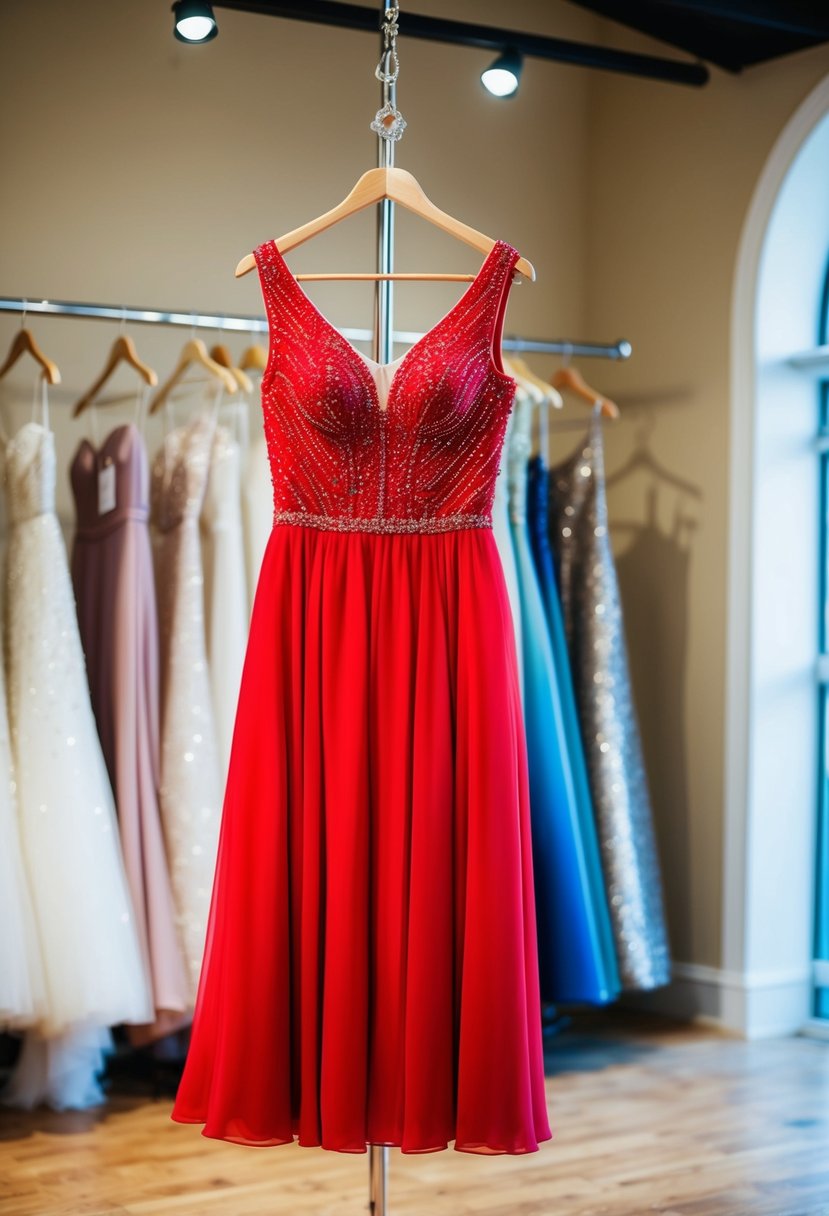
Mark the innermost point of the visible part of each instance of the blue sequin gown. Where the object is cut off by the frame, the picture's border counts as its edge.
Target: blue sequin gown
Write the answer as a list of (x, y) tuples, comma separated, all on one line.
[(570, 934), (537, 515)]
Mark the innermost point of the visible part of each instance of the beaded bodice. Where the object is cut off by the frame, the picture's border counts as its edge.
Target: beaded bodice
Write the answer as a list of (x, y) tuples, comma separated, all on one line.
[(425, 459), (30, 473)]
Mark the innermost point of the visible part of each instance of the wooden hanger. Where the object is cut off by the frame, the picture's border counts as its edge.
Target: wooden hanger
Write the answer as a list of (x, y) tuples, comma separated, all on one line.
[(571, 378), (254, 358), (193, 352), (541, 393), (24, 344), (122, 351), (223, 357), (551, 394), (401, 187), (532, 390)]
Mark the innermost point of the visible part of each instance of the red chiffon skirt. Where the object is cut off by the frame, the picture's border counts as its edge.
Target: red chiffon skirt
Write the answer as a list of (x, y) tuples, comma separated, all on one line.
[(370, 972)]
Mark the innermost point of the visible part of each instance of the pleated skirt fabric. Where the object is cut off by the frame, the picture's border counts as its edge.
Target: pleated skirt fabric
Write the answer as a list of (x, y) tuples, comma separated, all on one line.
[(371, 973)]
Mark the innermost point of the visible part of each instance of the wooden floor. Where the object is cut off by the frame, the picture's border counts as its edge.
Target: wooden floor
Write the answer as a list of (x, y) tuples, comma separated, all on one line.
[(649, 1118)]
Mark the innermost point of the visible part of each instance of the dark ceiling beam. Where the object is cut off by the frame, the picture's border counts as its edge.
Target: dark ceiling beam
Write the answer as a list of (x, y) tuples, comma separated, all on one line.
[(794, 16), (733, 34), (484, 37)]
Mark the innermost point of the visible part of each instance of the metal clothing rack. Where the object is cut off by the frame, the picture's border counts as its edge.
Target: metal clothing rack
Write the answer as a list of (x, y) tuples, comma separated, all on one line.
[(20, 305)]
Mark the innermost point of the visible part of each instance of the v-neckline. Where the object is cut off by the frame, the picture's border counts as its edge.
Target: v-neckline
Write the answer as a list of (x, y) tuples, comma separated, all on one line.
[(98, 449), (363, 361)]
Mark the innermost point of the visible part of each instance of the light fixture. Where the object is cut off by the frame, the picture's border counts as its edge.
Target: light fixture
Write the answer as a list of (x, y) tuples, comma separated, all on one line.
[(502, 77), (194, 22)]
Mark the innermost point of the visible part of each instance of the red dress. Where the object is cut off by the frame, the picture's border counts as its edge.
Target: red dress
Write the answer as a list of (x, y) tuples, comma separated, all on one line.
[(370, 973)]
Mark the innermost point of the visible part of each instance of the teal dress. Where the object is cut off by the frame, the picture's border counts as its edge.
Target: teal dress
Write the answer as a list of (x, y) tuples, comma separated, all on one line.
[(537, 517), (571, 922)]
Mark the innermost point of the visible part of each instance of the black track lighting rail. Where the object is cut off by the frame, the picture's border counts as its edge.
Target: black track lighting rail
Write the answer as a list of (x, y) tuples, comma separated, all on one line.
[(484, 37)]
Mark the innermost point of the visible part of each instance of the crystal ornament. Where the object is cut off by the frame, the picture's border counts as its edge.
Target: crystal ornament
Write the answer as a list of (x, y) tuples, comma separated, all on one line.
[(389, 123)]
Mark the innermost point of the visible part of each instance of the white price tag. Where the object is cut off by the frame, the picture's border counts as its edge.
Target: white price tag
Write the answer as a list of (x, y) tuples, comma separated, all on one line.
[(106, 489)]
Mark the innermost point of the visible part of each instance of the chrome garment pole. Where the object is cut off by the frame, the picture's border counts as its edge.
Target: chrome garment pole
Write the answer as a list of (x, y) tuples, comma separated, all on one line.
[(20, 305), (378, 1164), (389, 126)]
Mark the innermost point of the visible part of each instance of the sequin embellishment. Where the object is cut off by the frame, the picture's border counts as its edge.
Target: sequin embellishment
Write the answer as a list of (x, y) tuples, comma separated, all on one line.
[(424, 462), (595, 632)]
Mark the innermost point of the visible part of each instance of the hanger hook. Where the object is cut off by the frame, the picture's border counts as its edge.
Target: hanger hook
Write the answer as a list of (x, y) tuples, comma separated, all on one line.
[(568, 353), (23, 314), (192, 326)]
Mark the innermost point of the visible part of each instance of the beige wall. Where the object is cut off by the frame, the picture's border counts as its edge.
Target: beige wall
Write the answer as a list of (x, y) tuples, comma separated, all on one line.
[(136, 170), (671, 176)]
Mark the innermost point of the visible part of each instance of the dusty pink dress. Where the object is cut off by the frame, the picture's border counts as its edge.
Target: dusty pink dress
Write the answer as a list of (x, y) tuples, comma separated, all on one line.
[(112, 572)]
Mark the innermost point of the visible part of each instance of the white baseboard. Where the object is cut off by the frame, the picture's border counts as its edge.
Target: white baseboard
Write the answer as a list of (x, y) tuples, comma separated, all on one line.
[(756, 1005), (817, 1028)]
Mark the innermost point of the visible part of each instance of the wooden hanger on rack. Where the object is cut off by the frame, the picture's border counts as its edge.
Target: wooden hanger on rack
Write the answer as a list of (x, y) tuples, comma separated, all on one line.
[(572, 379), (401, 187), (254, 358), (551, 394), (223, 357), (122, 351), (193, 353), (24, 344)]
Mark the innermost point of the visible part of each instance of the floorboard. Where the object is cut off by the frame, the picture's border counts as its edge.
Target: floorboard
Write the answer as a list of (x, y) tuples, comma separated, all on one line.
[(649, 1117)]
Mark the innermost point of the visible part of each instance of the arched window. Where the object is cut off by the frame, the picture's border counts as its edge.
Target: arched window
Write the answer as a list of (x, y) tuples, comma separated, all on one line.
[(776, 916)]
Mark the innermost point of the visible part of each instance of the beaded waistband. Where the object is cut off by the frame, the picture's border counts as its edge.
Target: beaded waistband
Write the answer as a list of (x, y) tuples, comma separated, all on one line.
[(382, 523)]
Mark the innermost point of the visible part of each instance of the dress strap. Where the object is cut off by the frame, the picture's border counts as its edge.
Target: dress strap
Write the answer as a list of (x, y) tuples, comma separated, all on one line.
[(142, 398), (502, 281), (41, 399), (269, 263)]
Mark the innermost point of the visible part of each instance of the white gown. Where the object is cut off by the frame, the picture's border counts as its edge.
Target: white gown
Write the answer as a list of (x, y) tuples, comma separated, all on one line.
[(225, 585), (503, 539), (257, 507), (22, 989), (93, 971)]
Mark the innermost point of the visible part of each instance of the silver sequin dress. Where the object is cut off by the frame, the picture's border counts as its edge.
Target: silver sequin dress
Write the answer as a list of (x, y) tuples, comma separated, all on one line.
[(595, 632)]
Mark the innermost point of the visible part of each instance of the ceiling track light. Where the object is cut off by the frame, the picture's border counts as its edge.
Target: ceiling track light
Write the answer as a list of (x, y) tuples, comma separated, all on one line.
[(503, 75), (194, 22)]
